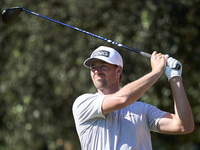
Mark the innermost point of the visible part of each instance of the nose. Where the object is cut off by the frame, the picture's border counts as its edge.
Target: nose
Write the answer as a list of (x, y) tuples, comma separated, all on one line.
[(96, 69)]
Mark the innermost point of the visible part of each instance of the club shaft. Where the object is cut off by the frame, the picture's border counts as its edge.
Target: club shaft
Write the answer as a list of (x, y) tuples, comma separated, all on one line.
[(97, 36), (91, 34), (86, 32)]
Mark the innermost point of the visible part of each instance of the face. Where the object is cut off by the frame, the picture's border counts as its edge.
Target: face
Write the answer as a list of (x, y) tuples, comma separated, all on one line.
[(104, 75)]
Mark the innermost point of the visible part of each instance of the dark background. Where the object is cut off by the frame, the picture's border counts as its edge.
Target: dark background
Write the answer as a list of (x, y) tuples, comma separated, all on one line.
[(41, 71)]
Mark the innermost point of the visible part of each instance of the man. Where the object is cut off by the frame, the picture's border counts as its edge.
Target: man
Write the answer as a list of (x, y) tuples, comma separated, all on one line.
[(113, 119)]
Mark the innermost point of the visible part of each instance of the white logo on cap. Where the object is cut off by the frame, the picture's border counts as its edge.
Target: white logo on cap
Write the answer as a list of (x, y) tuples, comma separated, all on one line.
[(101, 53)]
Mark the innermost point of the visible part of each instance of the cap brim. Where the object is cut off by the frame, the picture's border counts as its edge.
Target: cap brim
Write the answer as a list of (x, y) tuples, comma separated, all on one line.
[(87, 62)]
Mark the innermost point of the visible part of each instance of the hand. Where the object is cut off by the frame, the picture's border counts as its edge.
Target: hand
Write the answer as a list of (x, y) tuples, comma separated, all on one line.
[(158, 62), (169, 71)]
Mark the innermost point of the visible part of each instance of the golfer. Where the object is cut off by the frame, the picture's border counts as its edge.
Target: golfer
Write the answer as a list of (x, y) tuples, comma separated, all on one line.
[(113, 119)]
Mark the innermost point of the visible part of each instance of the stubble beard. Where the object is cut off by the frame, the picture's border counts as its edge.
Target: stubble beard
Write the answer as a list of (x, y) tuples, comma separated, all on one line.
[(101, 85)]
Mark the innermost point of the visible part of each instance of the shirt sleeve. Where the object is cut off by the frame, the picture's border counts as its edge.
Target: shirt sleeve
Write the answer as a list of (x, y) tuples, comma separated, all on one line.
[(154, 115), (87, 107)]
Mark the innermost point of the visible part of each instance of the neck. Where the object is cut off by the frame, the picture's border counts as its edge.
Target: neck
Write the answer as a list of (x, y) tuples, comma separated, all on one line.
[(108, 91)]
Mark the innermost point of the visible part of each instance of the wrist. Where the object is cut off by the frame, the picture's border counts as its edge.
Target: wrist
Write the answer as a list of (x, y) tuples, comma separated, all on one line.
[(175, 79), (156, 73)]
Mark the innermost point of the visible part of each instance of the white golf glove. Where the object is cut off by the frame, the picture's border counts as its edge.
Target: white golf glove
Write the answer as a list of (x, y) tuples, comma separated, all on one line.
[(170, 70)]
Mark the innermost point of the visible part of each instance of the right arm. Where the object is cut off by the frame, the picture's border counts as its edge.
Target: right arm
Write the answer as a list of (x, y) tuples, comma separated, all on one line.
[(134, 90)]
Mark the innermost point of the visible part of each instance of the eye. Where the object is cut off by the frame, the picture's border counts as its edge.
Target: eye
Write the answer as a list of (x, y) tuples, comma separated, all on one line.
[(93, 68), (104, 67)]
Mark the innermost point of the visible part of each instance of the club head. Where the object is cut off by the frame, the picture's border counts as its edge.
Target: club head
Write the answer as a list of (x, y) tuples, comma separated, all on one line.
[(11, 14)]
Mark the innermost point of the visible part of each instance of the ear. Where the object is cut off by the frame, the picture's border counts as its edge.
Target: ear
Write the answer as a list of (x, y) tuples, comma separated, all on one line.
[(119, 70)]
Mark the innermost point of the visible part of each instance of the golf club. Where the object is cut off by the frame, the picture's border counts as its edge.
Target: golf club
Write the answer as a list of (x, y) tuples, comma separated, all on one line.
[(11, 14)]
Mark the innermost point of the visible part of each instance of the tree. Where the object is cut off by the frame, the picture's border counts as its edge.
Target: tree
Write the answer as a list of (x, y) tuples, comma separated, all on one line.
[(41, 71)]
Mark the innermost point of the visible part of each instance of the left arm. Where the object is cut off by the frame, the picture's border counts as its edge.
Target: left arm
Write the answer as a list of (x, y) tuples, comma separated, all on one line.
[(182, 121)]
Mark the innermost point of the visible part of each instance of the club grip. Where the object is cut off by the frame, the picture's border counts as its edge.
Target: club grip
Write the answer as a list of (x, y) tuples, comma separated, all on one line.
[(145, 54), (178, 66)]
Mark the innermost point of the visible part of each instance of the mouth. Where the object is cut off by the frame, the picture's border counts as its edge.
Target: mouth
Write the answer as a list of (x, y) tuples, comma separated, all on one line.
[(99, 76)]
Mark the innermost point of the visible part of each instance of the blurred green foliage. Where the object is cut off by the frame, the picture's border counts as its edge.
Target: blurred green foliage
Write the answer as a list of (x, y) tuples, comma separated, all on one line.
[(41, 71)]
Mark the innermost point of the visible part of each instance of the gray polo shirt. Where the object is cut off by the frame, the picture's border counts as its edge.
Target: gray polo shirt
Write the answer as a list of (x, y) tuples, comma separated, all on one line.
[(125, 129)]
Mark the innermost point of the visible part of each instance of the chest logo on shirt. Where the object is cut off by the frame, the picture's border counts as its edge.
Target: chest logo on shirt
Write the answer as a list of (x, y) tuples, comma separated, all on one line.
[(129, 115)]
